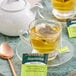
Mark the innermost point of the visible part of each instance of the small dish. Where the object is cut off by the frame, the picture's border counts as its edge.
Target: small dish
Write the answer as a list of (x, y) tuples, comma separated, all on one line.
[(60, 59)]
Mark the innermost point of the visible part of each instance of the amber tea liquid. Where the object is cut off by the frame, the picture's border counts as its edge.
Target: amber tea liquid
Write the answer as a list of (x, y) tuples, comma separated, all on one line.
[(63, 9), (45, 39), (63, 5)]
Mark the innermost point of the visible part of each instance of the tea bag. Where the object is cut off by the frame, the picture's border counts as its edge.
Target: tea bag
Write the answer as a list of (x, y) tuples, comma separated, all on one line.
[(45, 30)]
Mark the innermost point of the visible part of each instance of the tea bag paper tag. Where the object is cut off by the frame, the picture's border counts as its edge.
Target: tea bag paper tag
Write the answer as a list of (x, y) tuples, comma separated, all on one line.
[(71, 27), (34, 65), (63, 49)]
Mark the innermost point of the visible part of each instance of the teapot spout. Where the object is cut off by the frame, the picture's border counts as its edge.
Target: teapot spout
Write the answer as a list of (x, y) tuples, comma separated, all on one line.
[(38, 5), (34, 3)]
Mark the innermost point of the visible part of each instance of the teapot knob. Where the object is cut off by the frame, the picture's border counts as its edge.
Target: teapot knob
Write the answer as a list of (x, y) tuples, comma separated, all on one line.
[(12, 5)]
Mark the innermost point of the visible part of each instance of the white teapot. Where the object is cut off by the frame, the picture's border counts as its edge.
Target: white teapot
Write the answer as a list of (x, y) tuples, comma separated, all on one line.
[(15, 15)]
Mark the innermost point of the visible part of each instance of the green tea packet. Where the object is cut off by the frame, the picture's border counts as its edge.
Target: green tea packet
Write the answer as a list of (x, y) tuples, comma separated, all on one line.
[(34, 65), (71, 27)]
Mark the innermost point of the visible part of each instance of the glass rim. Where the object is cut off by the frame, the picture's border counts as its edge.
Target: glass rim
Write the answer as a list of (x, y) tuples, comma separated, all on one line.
[(53, 22), (45, 19)]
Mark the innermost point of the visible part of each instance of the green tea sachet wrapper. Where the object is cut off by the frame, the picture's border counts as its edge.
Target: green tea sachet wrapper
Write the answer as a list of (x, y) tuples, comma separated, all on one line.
[(34, 65), (71, 27)]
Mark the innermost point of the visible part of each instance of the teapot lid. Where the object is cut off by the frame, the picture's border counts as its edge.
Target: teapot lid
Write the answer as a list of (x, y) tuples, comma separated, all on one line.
[(12, 5)]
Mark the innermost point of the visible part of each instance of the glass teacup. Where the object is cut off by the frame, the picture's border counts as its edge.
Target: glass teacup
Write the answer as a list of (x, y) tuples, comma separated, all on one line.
[(63, 9), (44, 36)]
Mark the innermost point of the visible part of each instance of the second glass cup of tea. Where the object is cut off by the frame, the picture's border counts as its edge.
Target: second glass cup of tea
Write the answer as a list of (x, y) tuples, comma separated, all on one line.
[(44, 36), (63, 9)]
